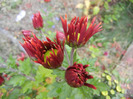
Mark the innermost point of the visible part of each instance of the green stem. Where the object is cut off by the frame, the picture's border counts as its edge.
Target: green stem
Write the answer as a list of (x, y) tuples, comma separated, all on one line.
[(66, 55), (71, 58)]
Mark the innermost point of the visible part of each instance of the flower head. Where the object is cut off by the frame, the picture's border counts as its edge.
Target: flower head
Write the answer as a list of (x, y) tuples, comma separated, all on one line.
[(1, 80), (76, 76), (77, 33), (26, 32), (47, 53), (37, 21)]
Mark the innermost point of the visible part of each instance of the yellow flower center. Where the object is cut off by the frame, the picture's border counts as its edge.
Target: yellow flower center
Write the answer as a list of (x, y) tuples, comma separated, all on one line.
[(47, 54)]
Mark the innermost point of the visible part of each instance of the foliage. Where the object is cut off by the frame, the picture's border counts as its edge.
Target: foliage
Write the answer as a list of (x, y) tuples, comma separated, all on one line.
[(115, 91)]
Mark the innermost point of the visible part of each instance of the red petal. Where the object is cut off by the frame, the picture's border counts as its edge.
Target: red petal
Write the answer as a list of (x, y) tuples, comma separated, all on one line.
[(90, 85)]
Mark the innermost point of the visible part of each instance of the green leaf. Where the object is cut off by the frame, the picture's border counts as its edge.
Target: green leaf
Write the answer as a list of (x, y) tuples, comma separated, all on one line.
[(42, 73), (26, 86), (2, 70), (99, 85), (1, 60), (106, 6), (13, 94), (76, 57), (87, 92), (11, 62), (25, 66), (66, 91), (131, 1), (16, 80), (59, 73), (42, 95), (50, 23), (55, 89), (96, 10)]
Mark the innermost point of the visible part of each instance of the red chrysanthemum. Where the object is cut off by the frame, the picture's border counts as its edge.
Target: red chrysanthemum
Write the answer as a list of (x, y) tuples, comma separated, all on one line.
[(37, 21), (77, 33), (47, 53), (76, 76), (1, 80)]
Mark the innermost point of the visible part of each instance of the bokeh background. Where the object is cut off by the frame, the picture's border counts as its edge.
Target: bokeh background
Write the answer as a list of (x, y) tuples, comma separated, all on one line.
[(113, 47)]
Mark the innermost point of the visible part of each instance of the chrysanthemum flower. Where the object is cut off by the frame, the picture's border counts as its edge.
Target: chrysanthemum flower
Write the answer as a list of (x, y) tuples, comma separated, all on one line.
[(1, 80), (47, 53), (76, 76), (77, 33), (37, 21)]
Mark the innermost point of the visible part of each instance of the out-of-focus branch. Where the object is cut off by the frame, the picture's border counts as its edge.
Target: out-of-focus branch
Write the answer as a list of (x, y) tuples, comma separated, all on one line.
[(62, 68), (14, 70)]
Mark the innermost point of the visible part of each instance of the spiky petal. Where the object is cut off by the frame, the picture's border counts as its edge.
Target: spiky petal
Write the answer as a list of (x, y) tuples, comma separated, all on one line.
[(47, 53), (76, 76), (37, 21), (77, 33)]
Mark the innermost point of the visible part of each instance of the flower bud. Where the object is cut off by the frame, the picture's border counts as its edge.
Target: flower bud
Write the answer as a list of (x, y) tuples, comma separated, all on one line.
[(76, 76), (37, 21)]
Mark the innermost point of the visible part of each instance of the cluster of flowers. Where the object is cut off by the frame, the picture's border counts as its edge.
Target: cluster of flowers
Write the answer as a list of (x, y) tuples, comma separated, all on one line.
[(50, 54)]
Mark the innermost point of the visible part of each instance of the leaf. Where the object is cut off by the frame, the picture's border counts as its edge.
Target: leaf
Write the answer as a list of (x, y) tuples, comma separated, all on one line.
[(50, 23), (79, 5), (42, 73), (16, 80), (55, 89), (13, 94), (59, 73), (76, 57), (96, 10), (25, 66), (131, 1), (66, 91), (1, 60), (11, 62), (106, 6), (99, 85), (26, 86), (2, 70), (42, 95)]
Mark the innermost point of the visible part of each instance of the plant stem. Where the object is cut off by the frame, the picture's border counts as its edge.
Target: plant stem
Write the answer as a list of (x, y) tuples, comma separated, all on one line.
[(62, 68), (66, 55), (71, 58), (42, 36), (15, 70)]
